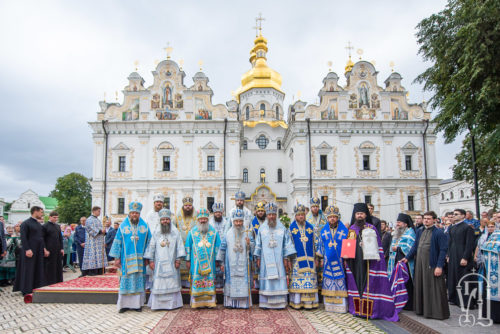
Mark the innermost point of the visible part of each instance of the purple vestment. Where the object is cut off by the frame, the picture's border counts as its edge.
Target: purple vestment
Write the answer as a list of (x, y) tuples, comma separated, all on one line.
[(398, 279), (378, 302)]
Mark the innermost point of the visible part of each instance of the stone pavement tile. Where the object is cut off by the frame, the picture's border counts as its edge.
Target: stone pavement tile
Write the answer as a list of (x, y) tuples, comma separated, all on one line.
[(452, 324), (329, 322)]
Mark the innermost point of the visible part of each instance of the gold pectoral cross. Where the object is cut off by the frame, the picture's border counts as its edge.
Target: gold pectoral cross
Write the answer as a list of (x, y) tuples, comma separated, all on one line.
[(334, 244)]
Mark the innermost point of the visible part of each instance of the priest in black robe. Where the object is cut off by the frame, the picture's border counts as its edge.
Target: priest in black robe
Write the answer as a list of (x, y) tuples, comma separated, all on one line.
[(461, 246), (31, 274), (54, 244)]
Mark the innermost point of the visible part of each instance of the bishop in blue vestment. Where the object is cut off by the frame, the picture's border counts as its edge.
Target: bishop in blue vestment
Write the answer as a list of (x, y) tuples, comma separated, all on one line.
[(131, 241)]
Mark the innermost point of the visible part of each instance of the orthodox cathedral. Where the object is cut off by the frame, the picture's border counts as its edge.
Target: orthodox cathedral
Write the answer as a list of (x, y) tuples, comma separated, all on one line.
[(363, 142)]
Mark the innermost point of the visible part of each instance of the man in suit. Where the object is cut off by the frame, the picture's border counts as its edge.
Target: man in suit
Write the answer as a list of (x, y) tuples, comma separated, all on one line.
[(79, 241), (110, 237)]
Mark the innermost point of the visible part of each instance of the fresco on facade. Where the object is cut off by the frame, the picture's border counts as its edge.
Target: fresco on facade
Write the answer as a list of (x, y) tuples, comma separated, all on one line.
[(329, 113), (167, 114), (132, 114), (167, 99), (201, 111)]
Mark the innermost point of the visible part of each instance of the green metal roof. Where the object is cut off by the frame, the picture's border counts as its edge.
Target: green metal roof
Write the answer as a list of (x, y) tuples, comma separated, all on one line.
[(49, 202)]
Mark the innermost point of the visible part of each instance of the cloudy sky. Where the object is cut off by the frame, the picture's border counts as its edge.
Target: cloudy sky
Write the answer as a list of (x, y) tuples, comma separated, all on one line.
[(59, 57)]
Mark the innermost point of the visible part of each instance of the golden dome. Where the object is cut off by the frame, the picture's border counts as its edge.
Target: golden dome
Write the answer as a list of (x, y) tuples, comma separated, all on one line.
[(349, 65), (261, 75)]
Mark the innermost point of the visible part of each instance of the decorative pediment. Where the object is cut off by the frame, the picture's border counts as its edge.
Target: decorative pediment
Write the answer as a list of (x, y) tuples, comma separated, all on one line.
[(210, 147), (121, 147), (323, 148), (409, 147), (367, 147), (165, 146)]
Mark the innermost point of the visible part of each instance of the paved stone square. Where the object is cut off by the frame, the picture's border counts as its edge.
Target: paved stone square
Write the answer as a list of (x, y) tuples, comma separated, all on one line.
[(18, 317)]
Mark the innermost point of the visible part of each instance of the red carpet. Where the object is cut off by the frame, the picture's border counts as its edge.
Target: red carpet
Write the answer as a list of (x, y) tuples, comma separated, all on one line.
[(221, 320), (108, 283)]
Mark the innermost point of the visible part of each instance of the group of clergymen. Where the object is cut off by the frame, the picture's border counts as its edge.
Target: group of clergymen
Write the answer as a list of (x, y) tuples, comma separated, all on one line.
[(243, 252)]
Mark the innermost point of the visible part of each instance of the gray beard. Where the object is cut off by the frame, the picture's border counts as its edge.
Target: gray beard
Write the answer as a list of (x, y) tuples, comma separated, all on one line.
[(271, 223), (238, 231), (203, 228), (398, 232), (165, 229)]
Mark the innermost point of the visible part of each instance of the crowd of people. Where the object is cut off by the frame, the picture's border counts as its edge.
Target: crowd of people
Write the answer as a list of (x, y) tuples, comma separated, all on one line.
[(363, 266), (35, 253)]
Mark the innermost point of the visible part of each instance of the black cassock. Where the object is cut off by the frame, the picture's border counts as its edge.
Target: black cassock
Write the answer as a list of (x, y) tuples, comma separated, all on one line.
[(53, 243), (461, 244), (31, 273)]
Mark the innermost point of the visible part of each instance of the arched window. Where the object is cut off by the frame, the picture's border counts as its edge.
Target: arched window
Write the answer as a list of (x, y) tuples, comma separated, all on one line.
[(262, 175), (442, 196), (451, 194), (247, 113), (262, 141), (245, 175), (262, 106), (280, 175), (245, 145), (278, 145), (461, 193), (277, 113)]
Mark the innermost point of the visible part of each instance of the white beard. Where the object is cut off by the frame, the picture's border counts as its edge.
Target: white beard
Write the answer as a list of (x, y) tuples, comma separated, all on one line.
[(272, 224), (203, 228)]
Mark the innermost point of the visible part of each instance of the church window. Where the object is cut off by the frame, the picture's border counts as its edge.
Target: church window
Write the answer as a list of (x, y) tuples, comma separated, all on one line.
[(411, 204), (472, 192), (121, 163), (210, 203), (280, 175), (324, 202), (262, 141), (322, 160), (368, 199), (366, 162), (442, 196), (277, 112), (262, 175), (29, 205), (247, 113), (280, 212), (245, 145), (461, 193), (278, 145), (210, 163), (166, 203), (408, 162), (245, 175), (451, 194), (166, 163), (121, 206), (262, 106)]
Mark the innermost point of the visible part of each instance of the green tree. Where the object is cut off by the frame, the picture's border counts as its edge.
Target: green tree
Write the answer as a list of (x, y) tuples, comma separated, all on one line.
[(489, 187), (73, 194), (462, 43)]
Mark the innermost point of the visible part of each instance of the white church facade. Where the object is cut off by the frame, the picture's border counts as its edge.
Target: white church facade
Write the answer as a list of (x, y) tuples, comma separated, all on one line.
[(361, 142)]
